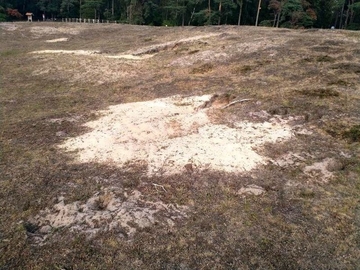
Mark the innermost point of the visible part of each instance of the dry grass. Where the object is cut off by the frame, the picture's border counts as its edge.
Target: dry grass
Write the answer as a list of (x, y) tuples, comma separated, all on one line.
[(300, 222)]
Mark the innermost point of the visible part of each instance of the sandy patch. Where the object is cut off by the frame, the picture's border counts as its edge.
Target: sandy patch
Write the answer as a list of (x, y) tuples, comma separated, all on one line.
[(8, 26), (47, 30), (320, 171), (75, 52), (107, 212), (291, 159), (170, 133), (130, 56), (170, 44), (56, 40), (105, 70), (88, 52), (203, 56)]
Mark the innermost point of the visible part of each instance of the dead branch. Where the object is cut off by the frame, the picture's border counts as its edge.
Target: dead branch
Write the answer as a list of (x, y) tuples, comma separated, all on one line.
[(161, 186), (236, 101)]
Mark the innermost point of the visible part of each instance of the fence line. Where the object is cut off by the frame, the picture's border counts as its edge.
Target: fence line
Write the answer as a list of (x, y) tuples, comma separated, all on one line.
[(80, 20)]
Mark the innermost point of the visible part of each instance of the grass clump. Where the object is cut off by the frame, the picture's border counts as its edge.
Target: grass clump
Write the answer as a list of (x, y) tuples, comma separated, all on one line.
[(205, 68), (353, 134), (321, 93), (8, 53), (325, 58)]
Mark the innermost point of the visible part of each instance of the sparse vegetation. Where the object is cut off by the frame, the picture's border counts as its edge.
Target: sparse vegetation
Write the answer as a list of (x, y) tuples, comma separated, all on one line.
[(308, 216)]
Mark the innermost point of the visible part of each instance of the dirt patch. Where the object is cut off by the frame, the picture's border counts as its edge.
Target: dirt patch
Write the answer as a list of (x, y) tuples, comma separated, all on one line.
[(87, 52), (106, 212), (130, 56), (172, 132), (170, 44), (75, 52), (320, 171), (8, 26), (39, 31), (202, 56)]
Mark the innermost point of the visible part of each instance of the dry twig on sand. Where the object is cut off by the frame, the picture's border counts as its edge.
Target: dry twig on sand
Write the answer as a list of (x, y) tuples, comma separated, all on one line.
[(236, 101), (161, 186)]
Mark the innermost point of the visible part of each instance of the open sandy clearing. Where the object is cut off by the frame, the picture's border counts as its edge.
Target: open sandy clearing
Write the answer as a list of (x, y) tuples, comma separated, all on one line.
[(173, 135)]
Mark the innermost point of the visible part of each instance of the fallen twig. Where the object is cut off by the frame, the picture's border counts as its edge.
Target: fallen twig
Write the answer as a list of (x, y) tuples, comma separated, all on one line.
[(236, 101), (161, 186)]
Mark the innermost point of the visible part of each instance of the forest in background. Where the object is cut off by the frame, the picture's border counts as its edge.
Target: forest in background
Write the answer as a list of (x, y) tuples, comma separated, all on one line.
[(341, 14)]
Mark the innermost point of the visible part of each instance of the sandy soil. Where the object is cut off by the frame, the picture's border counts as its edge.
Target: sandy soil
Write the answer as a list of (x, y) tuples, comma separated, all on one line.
[(170, 133), (56, 40), (107, 212)]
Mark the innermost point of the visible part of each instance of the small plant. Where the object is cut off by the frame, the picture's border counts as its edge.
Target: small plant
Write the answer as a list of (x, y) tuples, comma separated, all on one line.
[(307, 193), (353, 134), (325, 58), (202, 69), (103, 201), (245, 69), (339, 82), (322, 92)]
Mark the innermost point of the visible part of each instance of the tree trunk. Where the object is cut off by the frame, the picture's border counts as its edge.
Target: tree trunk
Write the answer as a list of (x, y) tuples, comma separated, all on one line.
[(240, 11), (352, 13), (341, 15), (192, 15), (258, 13), (275, 18), (209, 7), (347, 17), (129, 14), (176, 10), (278, 19), (336, 19), (112, 8), (183, 14), (219, 21)]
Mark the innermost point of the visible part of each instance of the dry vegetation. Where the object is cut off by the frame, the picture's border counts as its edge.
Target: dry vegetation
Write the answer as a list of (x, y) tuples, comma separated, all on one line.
[(304, 212)]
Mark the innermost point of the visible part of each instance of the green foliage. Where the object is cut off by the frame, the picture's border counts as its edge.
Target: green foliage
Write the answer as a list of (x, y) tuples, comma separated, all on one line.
[(54, 6), (3, 15), (228, 8), (168, 23), (289, 13), (152, 13), (66, 8), (90, 8), (353, 134), (297, 13), (354, 26), (268, 23)]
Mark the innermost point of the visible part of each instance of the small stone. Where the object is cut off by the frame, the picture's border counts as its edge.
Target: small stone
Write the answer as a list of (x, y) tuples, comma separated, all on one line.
[(189, 168), (45, 229), (335, 165), (61, 134), (251, 190)]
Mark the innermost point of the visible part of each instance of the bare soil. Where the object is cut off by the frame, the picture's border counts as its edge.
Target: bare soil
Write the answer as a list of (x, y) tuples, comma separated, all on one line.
[(138, 147)]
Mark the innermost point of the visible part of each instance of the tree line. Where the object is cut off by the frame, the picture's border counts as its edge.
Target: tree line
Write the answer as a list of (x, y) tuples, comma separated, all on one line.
[(343, 14)]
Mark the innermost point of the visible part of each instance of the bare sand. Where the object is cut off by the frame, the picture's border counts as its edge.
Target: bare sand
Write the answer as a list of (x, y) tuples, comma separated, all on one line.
[(169, 133)]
